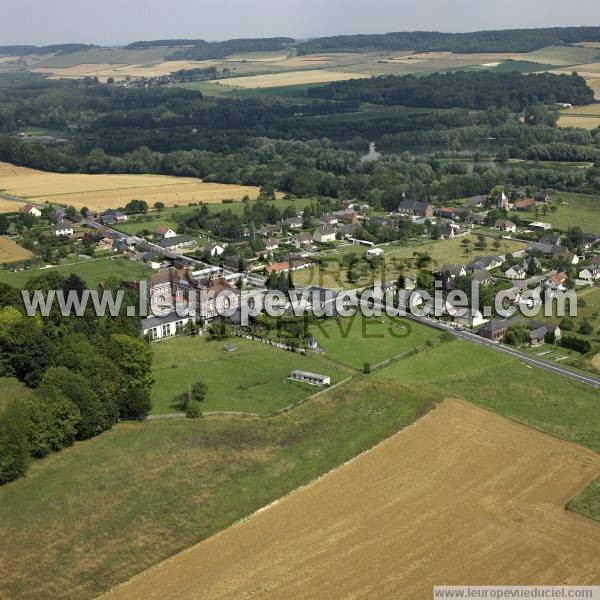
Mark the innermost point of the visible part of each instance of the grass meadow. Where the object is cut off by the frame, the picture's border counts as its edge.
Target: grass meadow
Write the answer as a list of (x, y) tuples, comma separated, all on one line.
[(92, 272), (165, 485), (253, 378), (359, 339)]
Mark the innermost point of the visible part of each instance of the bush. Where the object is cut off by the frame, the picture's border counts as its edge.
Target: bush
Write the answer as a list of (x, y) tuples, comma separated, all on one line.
[(193, 410), (586, 328), (550, 337), (567, 324), (198, 391), (366, 368), (134, 403)]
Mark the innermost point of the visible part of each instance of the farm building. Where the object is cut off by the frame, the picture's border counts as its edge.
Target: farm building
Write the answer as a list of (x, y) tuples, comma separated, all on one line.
[(311, 378)]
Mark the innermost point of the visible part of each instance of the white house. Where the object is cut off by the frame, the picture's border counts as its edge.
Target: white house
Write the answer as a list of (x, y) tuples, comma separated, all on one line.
[(271, 244), (469, 317), (62, 228), (505, 225), (157, 328), (324, 234), (590, 274), (164, 232), (31, 210), (371, 252), (516, 272)]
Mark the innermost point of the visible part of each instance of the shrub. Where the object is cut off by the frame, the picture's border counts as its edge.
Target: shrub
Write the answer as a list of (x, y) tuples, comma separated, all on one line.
[(566, 324), (366, 368), (198, 391), (193, 410), (586, 328), (134, 403)]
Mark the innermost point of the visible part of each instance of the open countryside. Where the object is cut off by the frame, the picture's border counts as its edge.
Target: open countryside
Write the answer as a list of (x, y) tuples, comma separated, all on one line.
[(100, 192), (375, 527)]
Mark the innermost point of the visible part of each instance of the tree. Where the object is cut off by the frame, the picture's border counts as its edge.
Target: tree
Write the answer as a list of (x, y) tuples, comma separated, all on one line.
[(75, 387), (586, 328), (53, 421), (134, 403), (198, 391), (159, 206), (366, 368), (517, 335), (134, 359)]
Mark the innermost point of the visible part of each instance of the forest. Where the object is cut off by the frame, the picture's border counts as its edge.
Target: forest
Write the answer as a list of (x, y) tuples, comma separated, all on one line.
[(462, 89), (506, 40)]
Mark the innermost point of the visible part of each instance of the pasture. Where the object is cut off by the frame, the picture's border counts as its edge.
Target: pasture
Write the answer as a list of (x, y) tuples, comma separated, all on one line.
[(100, 192), (579, 210), (11, 252), (197, 478), (563, 56), (253, 378), (354, 341), (92, 272), (375, 527)]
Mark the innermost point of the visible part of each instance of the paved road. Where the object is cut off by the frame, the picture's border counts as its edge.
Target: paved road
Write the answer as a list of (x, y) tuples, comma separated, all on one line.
[(522, 356)]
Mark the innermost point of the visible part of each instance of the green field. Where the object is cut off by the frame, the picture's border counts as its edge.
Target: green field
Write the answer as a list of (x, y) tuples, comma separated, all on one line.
[(253, 379), (12, 389), (359, 339), (485, 377), (92, 272), (580, 211), (95, 514)]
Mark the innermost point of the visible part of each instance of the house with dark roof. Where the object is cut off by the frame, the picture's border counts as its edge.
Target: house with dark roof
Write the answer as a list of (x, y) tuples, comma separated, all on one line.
[(324, 234), (177, 242), (494, 330), (414, 208)]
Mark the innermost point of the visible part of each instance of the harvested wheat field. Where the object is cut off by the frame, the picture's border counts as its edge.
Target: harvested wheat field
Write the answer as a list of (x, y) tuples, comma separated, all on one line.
[(8, 206), (289, 78), (594, 83), (596, 361), (99, 192), (463, 496), (11, 252)]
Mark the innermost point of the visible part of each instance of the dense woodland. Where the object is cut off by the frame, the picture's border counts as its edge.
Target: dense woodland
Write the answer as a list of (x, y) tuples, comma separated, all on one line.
[(505, 40), (462, 89)]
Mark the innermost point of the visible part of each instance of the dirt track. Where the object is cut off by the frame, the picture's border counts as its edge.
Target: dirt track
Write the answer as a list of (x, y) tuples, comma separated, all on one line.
[(461, 497)]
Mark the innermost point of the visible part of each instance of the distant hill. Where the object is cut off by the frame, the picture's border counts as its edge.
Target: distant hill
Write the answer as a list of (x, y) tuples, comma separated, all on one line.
[(24, 50), (505, 40)]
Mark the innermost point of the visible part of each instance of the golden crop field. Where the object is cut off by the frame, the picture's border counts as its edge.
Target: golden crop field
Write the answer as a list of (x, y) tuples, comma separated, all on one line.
[(8, 206), (594, 83), (289, 78), (10, 252), (99, 192), (463, 496), (120, 71), (586, 117)]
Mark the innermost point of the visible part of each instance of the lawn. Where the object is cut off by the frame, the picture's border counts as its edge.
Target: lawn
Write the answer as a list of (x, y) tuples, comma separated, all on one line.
[(357, 340), (92, 272), (580, 211), (95, 514), (253, 378)]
